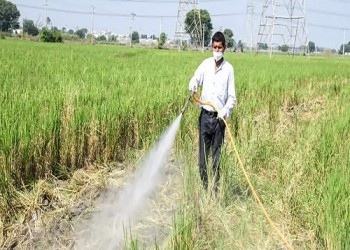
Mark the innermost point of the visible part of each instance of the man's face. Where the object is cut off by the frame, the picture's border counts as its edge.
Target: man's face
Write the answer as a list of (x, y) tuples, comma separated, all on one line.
[(218, 47)]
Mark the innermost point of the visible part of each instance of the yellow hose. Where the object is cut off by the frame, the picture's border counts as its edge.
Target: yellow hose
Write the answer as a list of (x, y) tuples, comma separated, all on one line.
[(278, 232)]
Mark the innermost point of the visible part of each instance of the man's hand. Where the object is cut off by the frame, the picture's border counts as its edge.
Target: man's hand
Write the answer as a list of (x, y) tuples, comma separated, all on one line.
[(222, 114), (193, 85)]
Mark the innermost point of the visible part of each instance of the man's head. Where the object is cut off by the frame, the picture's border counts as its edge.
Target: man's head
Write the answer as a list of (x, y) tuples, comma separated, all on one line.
[(218, 44), (219, 37)]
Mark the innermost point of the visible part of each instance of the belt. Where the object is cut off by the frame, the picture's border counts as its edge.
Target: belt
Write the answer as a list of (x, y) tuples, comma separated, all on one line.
[(210, 113)]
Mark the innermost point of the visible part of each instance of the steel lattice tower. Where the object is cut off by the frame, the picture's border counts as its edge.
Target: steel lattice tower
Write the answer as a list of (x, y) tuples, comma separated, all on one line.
[(249, 29), (283, 23), (195, 28)]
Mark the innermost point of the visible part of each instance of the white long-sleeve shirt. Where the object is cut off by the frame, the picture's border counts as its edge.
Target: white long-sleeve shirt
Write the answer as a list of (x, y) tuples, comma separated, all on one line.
[(218, 85)]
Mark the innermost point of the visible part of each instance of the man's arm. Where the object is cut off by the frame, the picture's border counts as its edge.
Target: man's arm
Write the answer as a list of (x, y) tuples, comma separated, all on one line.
[(231, 95), (197, 79)]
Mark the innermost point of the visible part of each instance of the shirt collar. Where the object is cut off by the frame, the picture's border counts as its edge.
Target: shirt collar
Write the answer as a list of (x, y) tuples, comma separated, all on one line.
[(221, 65)]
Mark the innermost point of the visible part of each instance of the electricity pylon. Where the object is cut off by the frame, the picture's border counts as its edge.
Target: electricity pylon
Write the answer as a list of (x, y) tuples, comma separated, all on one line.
[(283, 23), (195, 28), (249, 29)]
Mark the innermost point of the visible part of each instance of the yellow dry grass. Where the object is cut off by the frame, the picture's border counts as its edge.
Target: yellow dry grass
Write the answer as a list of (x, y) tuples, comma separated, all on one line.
[(50, 213)]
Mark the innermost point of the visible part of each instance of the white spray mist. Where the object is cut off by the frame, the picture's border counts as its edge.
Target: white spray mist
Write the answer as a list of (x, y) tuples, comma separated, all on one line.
[(119, 211)]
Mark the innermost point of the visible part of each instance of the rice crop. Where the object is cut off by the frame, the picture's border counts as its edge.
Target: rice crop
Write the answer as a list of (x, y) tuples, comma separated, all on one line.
[(68, 105)]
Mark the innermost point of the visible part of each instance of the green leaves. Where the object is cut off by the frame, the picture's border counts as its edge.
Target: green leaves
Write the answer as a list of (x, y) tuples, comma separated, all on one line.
[(8, 16)]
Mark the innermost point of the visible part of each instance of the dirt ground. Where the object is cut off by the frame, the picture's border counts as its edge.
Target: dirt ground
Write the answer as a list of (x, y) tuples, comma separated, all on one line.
[(66, 205)]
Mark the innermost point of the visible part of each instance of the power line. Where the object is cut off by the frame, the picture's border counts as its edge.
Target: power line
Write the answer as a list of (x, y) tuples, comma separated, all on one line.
[(327, 13), (342, 1), (168, 1), (114, 14), (328, 26), (173, 17), (228, 14), (160, 16), (54, 9), (89, 12)]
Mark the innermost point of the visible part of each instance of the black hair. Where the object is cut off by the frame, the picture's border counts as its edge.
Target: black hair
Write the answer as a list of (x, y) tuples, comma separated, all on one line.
[(219, 37)]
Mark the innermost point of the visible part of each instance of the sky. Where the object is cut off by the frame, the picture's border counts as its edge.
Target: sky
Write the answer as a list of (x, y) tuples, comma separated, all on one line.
[(328, 21)]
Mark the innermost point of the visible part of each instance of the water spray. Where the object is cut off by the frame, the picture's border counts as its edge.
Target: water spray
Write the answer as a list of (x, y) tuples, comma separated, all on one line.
[(120, 209), (107, 226)]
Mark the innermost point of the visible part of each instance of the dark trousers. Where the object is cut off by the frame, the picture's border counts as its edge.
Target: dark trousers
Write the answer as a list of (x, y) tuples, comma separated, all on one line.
[(211, 136)]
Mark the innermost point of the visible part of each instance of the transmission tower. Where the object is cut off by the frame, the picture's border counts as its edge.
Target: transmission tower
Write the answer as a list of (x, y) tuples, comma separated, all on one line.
[(249, 29), (283, 23), (195, 28)]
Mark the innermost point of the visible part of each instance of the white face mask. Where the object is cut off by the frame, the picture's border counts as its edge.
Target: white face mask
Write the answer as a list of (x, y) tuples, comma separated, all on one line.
[(217, 55)]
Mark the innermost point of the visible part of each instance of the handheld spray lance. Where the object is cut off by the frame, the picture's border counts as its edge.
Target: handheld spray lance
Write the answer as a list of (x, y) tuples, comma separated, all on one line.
[(194, 96), (186, 103)]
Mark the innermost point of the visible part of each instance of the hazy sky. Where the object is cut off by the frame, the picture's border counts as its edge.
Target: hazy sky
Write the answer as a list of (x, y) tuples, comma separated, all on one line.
[(328, 20)]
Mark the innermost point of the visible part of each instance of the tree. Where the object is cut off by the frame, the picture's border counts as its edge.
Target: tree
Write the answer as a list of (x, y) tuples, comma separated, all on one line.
[(81, 33), (263, 46), (345, 48), (51, 36), (162, 39), (229, 38), (311, 47), (205, 20), (135, 37), (30, 28), (240, 45), (48, 21), (112, 38), (284, 48), (102, 38), (9, 15)]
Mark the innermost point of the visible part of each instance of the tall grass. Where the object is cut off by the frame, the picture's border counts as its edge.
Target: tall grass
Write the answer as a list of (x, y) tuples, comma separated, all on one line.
[(291, 128), (68, 105), (65, 106)]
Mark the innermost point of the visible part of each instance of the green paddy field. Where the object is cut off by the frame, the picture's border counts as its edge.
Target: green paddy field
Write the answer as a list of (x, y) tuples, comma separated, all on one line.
[(66, 106)]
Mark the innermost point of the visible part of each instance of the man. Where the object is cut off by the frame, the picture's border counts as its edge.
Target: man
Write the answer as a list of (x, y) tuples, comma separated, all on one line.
[(216, 77)]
